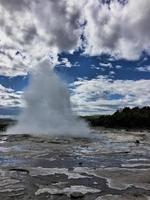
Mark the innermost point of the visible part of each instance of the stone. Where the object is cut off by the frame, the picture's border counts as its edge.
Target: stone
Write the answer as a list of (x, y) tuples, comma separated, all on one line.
[(76, 195)]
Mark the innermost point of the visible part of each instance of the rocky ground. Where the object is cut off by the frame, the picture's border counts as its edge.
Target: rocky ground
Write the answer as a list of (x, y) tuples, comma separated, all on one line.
[(111, 165)]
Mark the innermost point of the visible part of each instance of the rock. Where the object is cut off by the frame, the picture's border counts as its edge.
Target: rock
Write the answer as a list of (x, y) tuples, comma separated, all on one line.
[(137, 142), (23, 171), (76, 195), (80, 163)]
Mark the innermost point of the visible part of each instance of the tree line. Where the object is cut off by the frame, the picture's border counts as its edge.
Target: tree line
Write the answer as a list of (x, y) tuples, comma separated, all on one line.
[(134, 118)]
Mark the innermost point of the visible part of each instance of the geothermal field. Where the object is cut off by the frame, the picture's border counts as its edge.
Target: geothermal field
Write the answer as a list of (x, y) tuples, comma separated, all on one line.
[(51, 154), (108, 165), (68, 69)]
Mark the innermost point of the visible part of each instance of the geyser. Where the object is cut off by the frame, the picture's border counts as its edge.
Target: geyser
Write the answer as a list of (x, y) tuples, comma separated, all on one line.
[(47, 109)]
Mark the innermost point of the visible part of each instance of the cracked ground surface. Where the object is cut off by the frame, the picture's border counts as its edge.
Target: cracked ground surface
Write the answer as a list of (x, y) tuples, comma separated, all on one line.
[(111, 165)]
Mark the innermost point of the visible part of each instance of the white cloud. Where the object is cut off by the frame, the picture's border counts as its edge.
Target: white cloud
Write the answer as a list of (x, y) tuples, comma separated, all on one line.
[(104, 96), (112, 73), (95, 67), (144, 69), (122, 31), (97, 96), (118, 66), (109, 65), (31, 30), (37, 29), (65, 62), (10, 98)]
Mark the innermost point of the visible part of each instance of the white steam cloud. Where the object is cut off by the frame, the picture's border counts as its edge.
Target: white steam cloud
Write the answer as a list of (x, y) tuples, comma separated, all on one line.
[(48, 110)]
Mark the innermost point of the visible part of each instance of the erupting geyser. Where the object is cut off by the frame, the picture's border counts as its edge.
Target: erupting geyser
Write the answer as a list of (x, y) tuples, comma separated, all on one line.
[(48, 110)]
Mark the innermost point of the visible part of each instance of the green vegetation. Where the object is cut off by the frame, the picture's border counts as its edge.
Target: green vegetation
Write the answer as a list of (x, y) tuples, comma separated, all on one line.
[(134, 118)]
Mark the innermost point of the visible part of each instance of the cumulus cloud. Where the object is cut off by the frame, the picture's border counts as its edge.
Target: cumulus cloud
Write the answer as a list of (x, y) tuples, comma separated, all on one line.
[(117, 29), (14, 5), (103, 95), (37, 29), (100, 95), (109, 65), (118, 67), (65, 62), (10, 98), (143, 69)]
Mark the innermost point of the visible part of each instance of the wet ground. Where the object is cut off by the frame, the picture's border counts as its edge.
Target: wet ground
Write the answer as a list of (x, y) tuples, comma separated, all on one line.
[(111, 165)]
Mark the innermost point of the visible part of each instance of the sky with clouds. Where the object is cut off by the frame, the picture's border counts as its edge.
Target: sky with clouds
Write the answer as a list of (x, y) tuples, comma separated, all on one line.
[(100, 48)]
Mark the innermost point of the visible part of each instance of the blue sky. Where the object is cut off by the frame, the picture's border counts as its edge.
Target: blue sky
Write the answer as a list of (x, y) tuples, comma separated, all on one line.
[(89, 67), (101, 50), (75, 67)]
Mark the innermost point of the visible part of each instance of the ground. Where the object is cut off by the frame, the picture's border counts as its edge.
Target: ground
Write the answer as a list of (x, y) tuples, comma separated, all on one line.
[(111, 165)]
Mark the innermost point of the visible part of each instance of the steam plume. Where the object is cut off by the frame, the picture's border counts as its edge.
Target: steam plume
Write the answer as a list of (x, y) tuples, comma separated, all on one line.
[(48, 110)]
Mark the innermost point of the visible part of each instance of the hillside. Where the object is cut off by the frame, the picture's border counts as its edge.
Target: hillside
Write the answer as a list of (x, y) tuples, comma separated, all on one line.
[(135, 118)]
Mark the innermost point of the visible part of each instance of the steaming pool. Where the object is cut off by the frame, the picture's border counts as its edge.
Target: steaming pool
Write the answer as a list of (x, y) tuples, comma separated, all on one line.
[(110, 165)]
